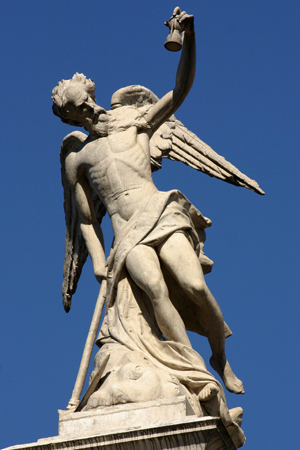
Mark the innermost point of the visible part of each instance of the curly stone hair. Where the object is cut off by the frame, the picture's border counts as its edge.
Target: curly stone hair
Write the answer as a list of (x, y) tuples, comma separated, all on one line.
[(67, 92)]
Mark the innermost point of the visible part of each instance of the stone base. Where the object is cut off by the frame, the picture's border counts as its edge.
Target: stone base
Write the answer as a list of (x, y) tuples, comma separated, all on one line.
[(129, 416), (156, 425)]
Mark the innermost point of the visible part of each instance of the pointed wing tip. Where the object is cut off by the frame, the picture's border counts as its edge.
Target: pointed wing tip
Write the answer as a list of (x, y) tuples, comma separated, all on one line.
[(255, 189), (67, 299), (258, 190), (67, 308)]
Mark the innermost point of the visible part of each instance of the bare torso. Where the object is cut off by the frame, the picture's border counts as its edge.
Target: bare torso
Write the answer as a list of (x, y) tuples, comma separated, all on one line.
[(118, 169)]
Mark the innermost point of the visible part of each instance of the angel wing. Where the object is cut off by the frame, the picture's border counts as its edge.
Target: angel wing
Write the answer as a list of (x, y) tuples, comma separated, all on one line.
[(174, 141), (75, 248)]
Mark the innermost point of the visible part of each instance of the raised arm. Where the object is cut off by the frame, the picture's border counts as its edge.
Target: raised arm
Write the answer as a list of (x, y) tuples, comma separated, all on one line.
[(168, 104)]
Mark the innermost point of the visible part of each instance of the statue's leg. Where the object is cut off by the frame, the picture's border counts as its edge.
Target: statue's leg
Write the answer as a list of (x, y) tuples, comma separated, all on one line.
[(181, 261), (143, 266)]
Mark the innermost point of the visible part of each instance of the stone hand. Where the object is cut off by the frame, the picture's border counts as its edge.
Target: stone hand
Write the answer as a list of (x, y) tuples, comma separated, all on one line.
[(186, 22), (100, 276)]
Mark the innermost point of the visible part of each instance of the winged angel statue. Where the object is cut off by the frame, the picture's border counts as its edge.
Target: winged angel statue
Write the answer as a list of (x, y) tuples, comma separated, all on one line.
[(154, 276)]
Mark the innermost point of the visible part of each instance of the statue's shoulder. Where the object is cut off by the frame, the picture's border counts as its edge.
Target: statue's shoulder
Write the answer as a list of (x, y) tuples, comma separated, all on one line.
[(72, 142), (70, 146)]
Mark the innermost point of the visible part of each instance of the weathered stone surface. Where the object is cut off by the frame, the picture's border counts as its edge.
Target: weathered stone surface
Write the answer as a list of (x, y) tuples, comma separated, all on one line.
[(153, 281), (161, 424), (192, 434), (121, 417)]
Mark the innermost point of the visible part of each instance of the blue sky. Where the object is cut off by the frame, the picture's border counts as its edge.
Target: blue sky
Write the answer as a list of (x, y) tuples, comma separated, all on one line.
[(244, 103)]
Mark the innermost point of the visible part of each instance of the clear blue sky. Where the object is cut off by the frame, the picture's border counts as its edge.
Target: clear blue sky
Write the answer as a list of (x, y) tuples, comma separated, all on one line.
[(244, 103)]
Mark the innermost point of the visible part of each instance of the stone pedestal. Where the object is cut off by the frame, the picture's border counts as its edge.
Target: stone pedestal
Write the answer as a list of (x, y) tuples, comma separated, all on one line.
[(156, 425)]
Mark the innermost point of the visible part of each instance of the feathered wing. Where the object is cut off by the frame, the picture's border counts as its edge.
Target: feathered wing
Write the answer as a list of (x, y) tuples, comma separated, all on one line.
[(75, 248), (174, 141)]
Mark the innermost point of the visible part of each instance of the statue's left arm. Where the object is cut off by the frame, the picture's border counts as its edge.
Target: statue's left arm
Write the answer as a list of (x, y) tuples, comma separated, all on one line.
[(168, 104)]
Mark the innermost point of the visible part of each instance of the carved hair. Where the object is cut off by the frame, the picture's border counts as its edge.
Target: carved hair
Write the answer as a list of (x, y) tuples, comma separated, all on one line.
[(67, 92)]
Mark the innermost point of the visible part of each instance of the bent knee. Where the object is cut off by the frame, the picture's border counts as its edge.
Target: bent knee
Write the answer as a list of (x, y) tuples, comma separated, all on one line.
[(197, 288)]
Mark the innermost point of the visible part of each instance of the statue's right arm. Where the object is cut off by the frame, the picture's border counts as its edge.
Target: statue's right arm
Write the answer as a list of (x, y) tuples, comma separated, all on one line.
[(90, 227)]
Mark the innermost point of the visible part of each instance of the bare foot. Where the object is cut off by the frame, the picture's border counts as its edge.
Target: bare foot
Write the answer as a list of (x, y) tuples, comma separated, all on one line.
[(209, 391), (231, 382)]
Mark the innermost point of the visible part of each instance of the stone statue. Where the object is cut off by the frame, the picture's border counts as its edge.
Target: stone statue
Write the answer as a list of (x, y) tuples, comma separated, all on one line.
[(154, 276)]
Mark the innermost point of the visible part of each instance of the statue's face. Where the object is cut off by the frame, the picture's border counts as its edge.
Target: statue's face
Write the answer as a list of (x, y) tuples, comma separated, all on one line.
[(80, 107)]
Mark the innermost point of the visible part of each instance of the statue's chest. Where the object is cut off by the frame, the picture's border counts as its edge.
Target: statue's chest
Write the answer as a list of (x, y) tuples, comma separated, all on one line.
[(115, 150), (118, 146), (122, 142), (114, 161)]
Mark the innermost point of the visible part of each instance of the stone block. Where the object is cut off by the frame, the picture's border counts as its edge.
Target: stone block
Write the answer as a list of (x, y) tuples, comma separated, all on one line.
[(123, 417), (167, 424)]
